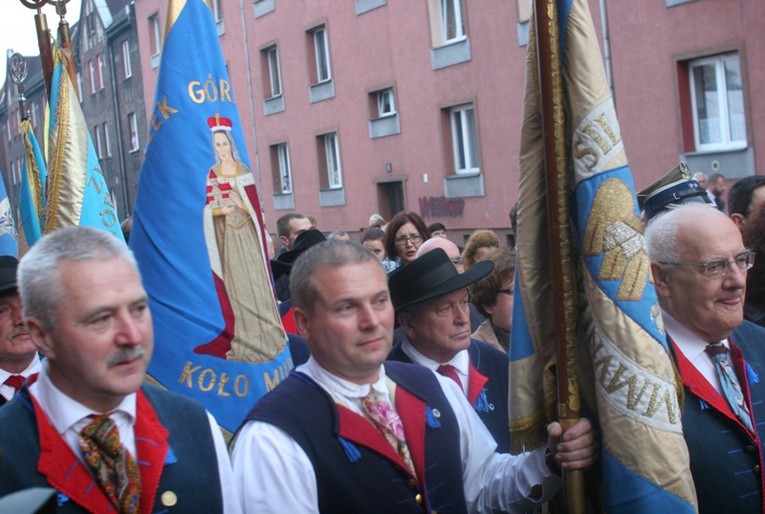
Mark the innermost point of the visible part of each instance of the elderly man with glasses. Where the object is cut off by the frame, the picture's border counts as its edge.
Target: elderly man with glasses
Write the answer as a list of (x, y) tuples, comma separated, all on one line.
[(699, 265)]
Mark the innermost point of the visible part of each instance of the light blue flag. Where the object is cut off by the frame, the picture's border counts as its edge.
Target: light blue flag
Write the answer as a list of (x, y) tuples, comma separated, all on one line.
[(198, 233), (625, 371), (76, 192), (9, 244), (31, 195)]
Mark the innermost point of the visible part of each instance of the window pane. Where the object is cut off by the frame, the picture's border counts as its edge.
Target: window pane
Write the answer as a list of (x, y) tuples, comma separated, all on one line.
[(451, 20), (707, 105), (333, 162), (284, 168), (472, 139), (385, 102), (459, 139), (126, 59), (322, 60), (273, 70), (736, 119)]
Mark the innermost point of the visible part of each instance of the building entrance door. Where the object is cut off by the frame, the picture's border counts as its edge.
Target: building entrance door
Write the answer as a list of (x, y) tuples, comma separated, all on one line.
[(390, 198)]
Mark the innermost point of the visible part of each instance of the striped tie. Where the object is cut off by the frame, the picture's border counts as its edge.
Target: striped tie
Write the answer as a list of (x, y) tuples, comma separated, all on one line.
[(729, 382)]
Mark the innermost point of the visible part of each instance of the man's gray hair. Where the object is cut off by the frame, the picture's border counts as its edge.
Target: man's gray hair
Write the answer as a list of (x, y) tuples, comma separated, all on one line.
[(327, 254), (661, 231), (39, 276)]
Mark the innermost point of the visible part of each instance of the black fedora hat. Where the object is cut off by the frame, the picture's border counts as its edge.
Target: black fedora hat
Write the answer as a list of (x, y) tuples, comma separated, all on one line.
[(430, 276), (282, 265), (8, 266)]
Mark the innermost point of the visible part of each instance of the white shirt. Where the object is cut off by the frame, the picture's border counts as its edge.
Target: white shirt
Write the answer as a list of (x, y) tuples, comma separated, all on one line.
[(7, 391), (460, 362), (69, 417), (692, 347), (268, 463)]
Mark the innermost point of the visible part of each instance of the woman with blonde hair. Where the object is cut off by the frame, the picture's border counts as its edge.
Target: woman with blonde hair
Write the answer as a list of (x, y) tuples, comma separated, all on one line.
[(480, 244)]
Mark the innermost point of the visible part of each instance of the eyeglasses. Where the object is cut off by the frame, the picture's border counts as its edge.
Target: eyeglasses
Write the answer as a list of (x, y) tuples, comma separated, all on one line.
[(458, 260), (719, 267), (402, 240), (508, 292)]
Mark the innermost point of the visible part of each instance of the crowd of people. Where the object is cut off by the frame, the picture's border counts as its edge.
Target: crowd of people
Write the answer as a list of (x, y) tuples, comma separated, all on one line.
[(399, 401)]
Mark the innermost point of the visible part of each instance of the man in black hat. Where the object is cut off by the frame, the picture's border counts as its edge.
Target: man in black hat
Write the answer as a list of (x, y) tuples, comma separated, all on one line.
[(431, 301), (18, 356), (281, 266)]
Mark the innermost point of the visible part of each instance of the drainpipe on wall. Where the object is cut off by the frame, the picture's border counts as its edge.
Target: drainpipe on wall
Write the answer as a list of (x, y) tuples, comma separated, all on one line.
[(256, 158), (606, 47)]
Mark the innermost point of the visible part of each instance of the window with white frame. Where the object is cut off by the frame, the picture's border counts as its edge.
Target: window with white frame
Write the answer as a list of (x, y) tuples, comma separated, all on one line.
[(452, 24), (100, 71), (321, 52), (217, 11), (8, 129), (386, 103), (332, 156), (13, 172), (33, 113), (92, 70), (717, 98), (107, 146), (285, 170), (464, 139), (127, 68), (79, 86), (99, 142), (155, 35), (274, 75), (133, 127)]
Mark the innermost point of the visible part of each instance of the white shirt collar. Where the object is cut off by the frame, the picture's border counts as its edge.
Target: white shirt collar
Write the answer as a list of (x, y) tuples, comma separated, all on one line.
[(33, 367), (340, 387), (7, 391), (64, 412), (692, 347), (460, 362)]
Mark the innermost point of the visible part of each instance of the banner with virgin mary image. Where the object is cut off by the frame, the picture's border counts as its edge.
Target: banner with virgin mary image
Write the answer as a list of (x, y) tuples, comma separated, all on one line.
[(198, 232)]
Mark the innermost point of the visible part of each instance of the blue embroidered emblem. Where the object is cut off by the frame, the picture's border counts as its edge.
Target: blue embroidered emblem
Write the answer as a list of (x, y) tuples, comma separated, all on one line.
[(171, 458), (482, 403), (351, 451), (431, 418)]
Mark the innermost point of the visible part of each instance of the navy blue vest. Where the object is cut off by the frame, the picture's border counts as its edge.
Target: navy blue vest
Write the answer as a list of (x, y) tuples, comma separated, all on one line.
[(726, 463), (368, 483), (494, 365), (193, 477)]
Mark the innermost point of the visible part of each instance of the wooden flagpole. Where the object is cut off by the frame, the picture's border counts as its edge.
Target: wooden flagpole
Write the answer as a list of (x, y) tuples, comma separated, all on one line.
[(561, 255)]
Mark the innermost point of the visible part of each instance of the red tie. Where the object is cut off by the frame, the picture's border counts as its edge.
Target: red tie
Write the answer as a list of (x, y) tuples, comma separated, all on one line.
[(448, 370), (15, 381)]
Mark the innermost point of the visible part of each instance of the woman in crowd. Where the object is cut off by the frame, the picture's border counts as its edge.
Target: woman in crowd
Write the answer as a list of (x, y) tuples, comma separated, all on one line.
[(493, 295), (479, 245), (403, 236)]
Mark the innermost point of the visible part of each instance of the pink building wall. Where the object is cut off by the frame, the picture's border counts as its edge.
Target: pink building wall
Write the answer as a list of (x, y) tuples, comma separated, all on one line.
[(390, 46)]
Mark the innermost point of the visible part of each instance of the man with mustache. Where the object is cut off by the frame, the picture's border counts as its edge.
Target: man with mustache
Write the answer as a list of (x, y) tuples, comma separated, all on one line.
[(18, 356), (89, 427), (349, 432), (699, 265)]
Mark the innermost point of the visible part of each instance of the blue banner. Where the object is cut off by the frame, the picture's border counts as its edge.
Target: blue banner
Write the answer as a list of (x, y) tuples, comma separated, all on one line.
[(198, 232)]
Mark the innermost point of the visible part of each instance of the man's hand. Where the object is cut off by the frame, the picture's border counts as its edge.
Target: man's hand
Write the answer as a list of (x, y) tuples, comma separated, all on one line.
[(576, 448)]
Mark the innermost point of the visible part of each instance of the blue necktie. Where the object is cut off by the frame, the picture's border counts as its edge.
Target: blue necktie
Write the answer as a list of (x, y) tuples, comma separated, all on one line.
[(729, 382)]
